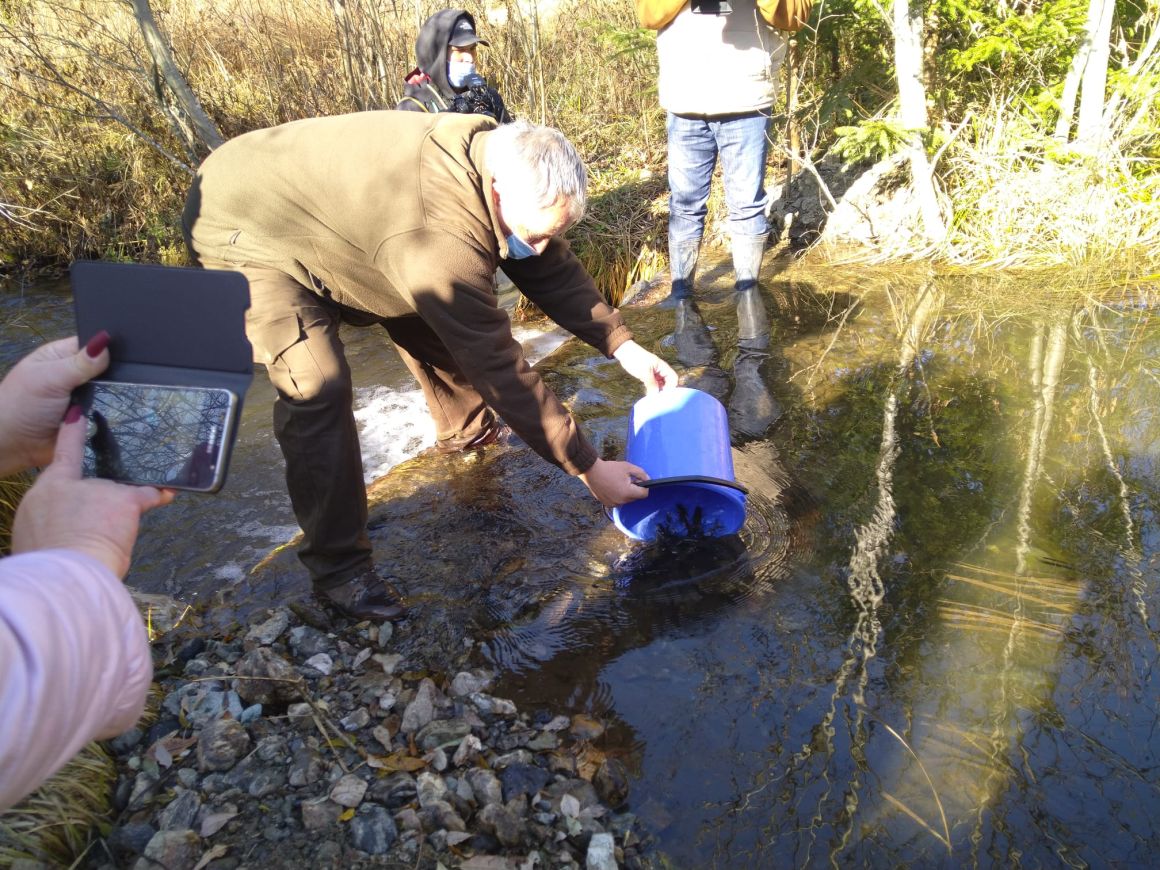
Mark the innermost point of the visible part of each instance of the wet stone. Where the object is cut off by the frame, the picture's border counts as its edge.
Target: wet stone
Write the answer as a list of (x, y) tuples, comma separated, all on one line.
[(430, 788), (505, 825), (469, 683), (611, 783), (124, 743), (543, 742), (523, 779), (585, 727), (131, 838), (469, 750), (579, 789), (519, 756), (373, 830)]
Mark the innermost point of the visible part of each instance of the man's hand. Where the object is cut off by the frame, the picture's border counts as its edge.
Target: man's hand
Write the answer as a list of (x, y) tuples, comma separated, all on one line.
[(648, 368), (614, 483)]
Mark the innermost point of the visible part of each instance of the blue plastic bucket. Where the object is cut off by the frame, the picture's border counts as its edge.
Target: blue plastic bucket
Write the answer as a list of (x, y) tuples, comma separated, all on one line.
[(680, 437)]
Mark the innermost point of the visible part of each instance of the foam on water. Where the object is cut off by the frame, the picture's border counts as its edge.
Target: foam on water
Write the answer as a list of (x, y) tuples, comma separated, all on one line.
[(394, 424)]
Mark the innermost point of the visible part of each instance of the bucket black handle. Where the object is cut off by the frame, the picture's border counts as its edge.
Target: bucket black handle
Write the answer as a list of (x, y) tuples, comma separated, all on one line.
[(693, 478)]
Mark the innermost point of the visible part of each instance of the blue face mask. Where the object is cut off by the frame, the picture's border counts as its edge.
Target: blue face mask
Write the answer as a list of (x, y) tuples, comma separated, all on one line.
[(518, 248), (461, 73)]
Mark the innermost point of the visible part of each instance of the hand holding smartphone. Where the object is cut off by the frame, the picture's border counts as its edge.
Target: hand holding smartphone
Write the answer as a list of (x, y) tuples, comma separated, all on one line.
[(165, 412)]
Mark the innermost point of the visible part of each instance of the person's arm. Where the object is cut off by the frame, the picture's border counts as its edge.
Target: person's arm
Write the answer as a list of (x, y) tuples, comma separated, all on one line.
[(76, 663), (449, 282), (563, 290)]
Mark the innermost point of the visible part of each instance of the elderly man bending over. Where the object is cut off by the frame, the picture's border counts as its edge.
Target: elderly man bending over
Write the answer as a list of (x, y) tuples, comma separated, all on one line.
[(401, 219)]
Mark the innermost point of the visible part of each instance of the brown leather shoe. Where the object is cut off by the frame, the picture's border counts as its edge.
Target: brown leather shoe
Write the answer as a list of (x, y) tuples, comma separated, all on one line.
[(365, 596)]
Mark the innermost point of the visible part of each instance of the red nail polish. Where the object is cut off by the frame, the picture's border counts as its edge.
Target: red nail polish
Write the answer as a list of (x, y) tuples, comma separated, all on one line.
[(73, 414), (97, 344)]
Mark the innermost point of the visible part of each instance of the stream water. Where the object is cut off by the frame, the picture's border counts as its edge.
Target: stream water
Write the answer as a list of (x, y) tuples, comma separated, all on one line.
[(932, 644)]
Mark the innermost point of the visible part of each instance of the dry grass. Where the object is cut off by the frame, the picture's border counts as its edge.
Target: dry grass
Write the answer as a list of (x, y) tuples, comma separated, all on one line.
[(57, 822), (12, 489)]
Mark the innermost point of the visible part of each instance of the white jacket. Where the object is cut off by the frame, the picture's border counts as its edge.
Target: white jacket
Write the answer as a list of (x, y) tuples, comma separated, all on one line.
[(719, 64)]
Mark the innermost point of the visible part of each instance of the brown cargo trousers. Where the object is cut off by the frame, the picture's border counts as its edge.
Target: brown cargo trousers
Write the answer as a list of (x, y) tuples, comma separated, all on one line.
[(294, 332)]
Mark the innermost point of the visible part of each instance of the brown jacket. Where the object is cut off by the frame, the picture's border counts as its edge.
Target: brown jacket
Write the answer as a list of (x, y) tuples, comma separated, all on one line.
[(392, 213)]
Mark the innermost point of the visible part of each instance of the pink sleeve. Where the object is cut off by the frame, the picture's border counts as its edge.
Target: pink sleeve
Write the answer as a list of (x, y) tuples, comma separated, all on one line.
[(74, 663)]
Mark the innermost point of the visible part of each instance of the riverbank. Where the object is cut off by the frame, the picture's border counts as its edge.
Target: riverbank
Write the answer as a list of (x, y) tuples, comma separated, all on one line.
[(297, 742)]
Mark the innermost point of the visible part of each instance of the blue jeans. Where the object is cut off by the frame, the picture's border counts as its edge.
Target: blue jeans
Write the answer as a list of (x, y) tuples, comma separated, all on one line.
[(694, 144)]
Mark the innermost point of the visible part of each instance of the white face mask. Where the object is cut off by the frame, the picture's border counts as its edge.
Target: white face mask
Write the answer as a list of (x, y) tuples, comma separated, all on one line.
[(460, 72)]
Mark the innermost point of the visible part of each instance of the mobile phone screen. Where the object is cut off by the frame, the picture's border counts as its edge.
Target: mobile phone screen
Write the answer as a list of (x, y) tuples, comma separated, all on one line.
[(159, 435)]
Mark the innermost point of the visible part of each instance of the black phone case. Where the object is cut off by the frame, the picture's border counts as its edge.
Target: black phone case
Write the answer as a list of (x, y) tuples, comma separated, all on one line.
[(169, 325)]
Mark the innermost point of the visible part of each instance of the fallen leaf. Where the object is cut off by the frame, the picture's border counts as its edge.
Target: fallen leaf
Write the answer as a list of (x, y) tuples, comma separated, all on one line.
[(212, 855), (395, 762), (161, 754), (346, 816)]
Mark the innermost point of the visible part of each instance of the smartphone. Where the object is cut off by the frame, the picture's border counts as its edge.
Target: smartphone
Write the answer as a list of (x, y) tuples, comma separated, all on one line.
[(172, 436)]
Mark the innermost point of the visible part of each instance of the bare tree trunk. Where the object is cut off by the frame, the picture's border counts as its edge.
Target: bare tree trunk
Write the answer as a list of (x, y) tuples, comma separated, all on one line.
[(793, 131), (1090, 123), (908, 54), (190, 118)]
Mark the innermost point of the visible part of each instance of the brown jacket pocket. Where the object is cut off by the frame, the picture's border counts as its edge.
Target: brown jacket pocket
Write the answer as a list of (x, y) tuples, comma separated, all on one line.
[(655, 14), (271, 338)]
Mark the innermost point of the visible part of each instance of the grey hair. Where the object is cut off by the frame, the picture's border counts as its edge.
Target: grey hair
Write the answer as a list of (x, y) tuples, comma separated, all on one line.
[(539, 161)]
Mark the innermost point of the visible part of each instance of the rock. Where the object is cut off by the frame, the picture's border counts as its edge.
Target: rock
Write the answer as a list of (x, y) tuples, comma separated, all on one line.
[(465, 683), (373, 830), (131, 838), (143, 787), (300, 716), (543, 742), (440, 815), (394, 791), (523, 779), (319, 813), (360, 718), (507, 827), (437, 759), (558, 723), (611, 782), (489, 706), (269, 678), (250, 714), (171, 850), (440, 732), (267, 632), (485, 785), (409, 820), (187, 776), (583, 791), (383, 735), (221, 744), (349, 791), (585, 727), (266, 781), (386, 632), (469, 750), (421, 710), (363, 655), (124, 743), (306, 641), (430, 788), (321, 662), (181, 812), (389, 661), (306, 767), (520, 756), (601, 853)]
